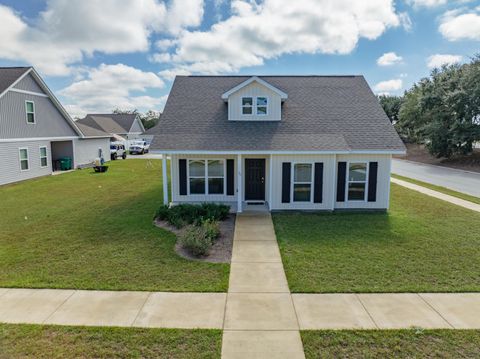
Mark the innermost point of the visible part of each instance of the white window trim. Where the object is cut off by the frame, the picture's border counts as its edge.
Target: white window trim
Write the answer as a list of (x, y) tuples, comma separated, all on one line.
[(293, 183), (20, 158), (206, 176), (26, 112), (46, 156), (347, 182), (254, 106)]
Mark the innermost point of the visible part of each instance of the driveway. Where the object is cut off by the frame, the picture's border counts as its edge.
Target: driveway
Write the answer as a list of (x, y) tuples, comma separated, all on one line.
[(458, 180)]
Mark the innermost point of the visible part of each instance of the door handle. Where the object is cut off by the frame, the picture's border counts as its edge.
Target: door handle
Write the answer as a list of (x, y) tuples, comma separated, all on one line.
[(263, 180)]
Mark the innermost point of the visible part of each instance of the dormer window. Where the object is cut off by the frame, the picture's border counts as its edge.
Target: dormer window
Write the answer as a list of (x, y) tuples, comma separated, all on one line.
[(262, 105), (247, 105)]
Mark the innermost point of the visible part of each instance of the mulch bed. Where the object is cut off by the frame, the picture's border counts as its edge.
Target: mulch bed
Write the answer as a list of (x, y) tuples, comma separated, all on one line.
[(418, 153), (221, 251)]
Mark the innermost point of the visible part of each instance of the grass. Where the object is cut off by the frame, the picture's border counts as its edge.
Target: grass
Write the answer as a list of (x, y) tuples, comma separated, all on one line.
[(47, 341), (444, 190), (95, 231), (392, 344), (421, 245)]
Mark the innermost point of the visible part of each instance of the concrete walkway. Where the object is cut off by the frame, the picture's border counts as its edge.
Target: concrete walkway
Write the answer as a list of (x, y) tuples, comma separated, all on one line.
[(439, 195), (455, 179), (260, 317)]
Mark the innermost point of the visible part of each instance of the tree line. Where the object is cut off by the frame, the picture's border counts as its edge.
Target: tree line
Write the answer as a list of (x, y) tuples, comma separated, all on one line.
[(149, 119), (441, 111)]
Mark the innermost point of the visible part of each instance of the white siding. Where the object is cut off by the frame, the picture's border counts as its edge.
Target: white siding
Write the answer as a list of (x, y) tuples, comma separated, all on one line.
[(254, 90), (87, 150), (383, 182), (10, 161), (136, 128)]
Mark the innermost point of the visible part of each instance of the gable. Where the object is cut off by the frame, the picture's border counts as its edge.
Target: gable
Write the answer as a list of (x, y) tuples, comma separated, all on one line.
[(28, 83), (136, 128), (253, 91)]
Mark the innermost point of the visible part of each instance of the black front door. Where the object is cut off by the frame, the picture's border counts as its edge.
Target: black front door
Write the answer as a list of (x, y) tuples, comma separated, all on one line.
[(255, 179)]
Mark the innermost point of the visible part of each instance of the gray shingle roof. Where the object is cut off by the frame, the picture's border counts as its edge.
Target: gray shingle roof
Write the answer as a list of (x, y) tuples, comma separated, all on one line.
[(8, 75), (322, 113), (110, 123), (91, 131)]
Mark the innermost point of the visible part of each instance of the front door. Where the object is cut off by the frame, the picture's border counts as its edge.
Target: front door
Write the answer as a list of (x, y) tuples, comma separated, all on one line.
[(255, 179)]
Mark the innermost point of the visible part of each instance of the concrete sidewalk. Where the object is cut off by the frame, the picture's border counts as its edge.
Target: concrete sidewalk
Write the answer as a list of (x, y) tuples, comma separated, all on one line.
[(444, 197)]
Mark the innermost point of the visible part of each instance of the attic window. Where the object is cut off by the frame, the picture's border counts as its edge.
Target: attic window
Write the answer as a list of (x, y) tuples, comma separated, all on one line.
[(262, 104), (247, 105)]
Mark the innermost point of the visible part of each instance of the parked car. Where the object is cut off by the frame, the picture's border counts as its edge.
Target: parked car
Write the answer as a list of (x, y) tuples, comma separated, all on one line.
[(117, 150), (139, 147)]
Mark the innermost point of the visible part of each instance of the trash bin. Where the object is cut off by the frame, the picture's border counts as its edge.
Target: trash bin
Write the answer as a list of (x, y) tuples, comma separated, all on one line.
[(65, 163)]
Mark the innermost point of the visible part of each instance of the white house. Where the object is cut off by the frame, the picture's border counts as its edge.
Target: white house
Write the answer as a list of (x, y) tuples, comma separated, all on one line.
[(36, 131), (287, 142)]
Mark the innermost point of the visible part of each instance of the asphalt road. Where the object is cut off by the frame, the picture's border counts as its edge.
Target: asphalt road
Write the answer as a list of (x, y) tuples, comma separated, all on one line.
[(458, 180)]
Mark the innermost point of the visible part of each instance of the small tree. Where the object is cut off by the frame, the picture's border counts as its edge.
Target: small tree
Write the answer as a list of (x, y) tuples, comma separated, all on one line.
[(391, 105)]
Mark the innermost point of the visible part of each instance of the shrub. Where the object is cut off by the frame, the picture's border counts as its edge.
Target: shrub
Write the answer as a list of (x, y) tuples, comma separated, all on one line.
[(195, 240), (213, 211), (195, 214), (212, 229)]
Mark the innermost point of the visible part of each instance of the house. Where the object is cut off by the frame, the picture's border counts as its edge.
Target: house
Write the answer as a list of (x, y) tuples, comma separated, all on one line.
[(289, 142), (120, 126), (36, 131)]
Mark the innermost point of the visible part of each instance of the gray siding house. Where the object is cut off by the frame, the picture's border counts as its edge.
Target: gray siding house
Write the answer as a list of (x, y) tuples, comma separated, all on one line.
[(119, 126), (284, 142), (35, 130)]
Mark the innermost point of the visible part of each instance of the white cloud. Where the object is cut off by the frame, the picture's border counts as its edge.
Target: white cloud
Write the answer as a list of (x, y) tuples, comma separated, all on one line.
[(426, 3), (439, 60), (109, 86), (384, 87), (66, 31), (389, 59), (456, 25), (260, 31), (161, 57)]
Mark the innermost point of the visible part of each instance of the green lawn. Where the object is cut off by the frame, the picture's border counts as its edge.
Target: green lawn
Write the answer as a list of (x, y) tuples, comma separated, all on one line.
[(392, 344), (450, 192), (94, 231), (421, 245), (42, 341)]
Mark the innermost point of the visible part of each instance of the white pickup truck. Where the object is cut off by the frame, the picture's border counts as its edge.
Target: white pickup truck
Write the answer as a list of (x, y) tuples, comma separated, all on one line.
[(139, 147)]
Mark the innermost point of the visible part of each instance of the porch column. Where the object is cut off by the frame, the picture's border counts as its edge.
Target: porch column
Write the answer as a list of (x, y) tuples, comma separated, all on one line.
[(165, 178), (239, 184), (270, 182)]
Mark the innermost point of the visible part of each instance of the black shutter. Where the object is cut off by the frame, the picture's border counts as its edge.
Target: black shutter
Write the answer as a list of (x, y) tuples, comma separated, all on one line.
[(230, 177), (318, 185), (341, 177), (286, 175), (372, 181), (182, 176)]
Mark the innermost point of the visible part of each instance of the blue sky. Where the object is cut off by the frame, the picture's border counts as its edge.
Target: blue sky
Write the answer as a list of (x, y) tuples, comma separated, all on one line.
[(98, 55)]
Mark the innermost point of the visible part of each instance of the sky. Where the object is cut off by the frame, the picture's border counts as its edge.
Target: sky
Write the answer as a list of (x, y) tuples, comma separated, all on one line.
[(100, 55)]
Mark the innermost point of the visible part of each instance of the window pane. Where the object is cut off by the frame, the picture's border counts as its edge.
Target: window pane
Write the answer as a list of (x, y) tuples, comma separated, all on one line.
[(197, 185), (247, 101), (303, 172), (43, 162), (358, 172), (23, 154), (30, 118), (197, 168), (24, 164), (215, 168), (29, 106), (247, 110), (261, 101), (356, 191), (43, 152), (215, 185), (261, 110), (301, 193)]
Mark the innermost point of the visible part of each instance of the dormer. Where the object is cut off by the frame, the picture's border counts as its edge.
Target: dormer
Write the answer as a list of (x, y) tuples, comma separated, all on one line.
[(254, 100)]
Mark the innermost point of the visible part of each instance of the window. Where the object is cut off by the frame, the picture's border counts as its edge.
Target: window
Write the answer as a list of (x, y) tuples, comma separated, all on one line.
[(302, 182), (206, 176), (262, 104), (357, 181), (30, 108), (43, 157), (24, 166), (247, 105)]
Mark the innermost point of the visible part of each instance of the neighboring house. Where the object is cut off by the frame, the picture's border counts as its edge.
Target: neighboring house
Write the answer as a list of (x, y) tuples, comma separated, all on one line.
[(291, 142), (121, 127), (35, 130)]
